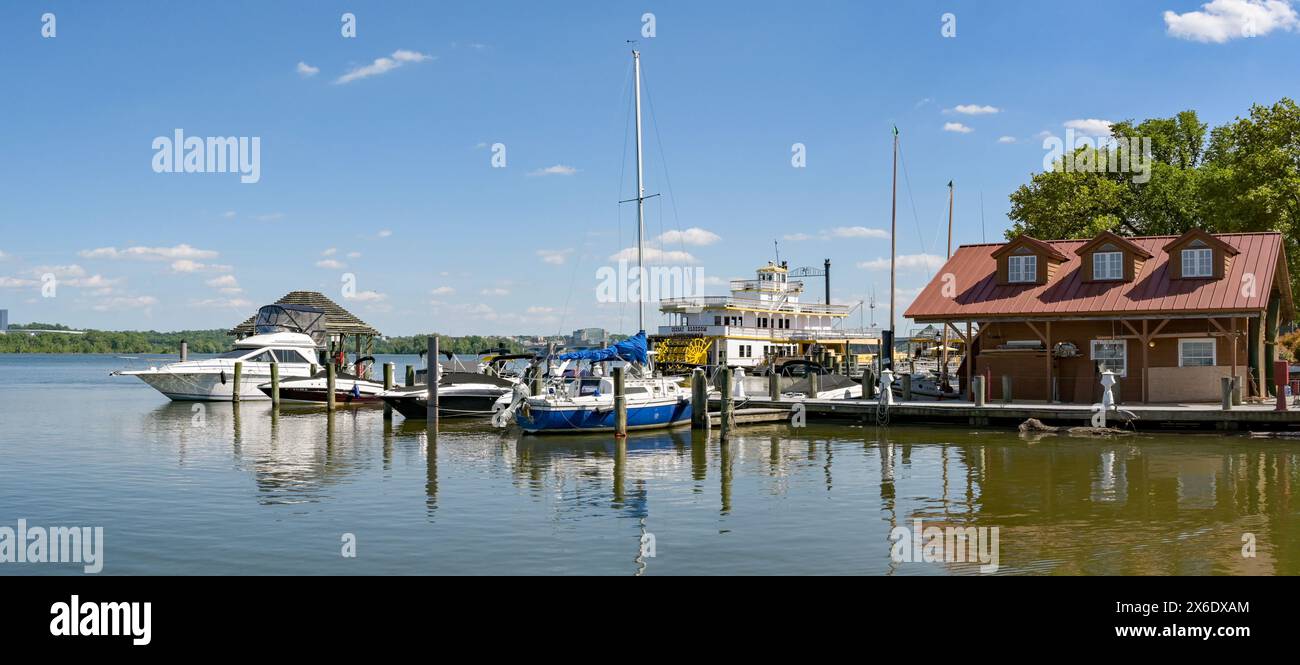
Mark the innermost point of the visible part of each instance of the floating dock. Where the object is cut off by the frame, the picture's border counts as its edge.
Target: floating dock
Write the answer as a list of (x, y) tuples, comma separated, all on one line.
[(1142, 417)]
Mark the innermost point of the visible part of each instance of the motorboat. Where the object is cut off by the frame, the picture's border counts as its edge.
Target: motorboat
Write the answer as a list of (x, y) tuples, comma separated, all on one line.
[(213, 379), (289, 335), (349, 389), (461, 394)]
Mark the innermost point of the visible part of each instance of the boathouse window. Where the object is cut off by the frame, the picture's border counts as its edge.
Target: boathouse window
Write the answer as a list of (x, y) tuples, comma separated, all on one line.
[(1110, 354), (1022, 268), (1196, 352), (1108, 265), (1198, 262)]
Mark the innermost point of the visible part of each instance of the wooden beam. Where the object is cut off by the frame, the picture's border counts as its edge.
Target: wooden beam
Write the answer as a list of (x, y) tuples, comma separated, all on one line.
[(1146, 343), (1047, 348), (970, 361)]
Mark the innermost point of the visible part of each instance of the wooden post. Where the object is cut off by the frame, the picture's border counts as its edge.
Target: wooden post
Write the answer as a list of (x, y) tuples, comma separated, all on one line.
[(774, 386), (814, 385), (699, 399), (726, 402), (388, 385), (977, 387), (185, 350), (431, 394), (1006, 389), (239, 374), (907, 387), (868, 383), (275, 384), (620, 404), (970, 361), (1225, 385), (329, 386), (1047, 352), (410, 375)]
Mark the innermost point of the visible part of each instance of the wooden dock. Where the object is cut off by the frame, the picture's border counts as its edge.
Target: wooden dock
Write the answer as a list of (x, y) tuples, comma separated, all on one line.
[(1139, 416)]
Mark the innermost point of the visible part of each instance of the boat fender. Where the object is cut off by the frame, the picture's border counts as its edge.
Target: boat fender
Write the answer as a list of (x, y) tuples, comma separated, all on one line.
[(223, 377)]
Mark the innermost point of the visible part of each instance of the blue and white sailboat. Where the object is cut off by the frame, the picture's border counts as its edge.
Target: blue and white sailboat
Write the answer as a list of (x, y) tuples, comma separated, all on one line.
[(586, 403)]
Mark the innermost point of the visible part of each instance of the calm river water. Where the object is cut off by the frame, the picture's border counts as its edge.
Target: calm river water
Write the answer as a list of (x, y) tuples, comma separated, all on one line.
[(226, 490)]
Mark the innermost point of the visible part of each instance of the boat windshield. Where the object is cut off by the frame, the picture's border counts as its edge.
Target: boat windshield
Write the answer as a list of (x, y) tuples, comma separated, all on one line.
[(589, 387), (235, 353)]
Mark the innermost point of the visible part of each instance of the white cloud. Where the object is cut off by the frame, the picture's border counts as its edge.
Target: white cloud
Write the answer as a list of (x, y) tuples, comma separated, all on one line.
[(61, 272), (443, 291), (382, 65), (537, 309), (125, 302), (226, 284), (367, 296), (555, 257), (16, 282), (1224, 20), (857, 232), (1090, 126), (496, 291), (383, 233), (331, 264), (330, 252), (3, 256), (270, 217), (1006, 139), (692, 236), (796, 237), (354, 255), (653, 255), (307, 71), (181, 251), (906, 262), (956, 127), (558, 169), (229, 214), (186, 265), (974, 109)]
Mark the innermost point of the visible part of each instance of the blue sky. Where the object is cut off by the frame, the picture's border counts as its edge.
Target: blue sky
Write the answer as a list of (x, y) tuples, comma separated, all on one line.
[(386, 175)]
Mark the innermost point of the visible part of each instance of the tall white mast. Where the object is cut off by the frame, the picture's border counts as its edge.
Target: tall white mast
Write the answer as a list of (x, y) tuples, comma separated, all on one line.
[(640, 202)]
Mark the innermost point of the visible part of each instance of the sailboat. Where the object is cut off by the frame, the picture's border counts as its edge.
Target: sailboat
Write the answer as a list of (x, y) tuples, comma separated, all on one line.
[(586, 402)]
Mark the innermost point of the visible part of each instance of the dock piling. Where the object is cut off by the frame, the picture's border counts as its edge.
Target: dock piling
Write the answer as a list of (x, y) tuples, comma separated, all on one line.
[(1006, 389), (814, 384), (699, 399), (868, 384), (620, 404), (410, 376), (907, 387), (239, 374), (725, 417), (774, 386), (1225, 385), (185, 350), (329, 387), (275, 384), (388, 385), (978, 389), (431, 395)]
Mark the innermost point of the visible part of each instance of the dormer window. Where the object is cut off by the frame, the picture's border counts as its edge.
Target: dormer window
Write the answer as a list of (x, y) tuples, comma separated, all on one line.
[(1022, 269), (1198, 262), (1107, 265)]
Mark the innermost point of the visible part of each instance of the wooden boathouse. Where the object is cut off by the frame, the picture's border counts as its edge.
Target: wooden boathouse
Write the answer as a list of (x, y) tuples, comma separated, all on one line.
[(1171, 315)]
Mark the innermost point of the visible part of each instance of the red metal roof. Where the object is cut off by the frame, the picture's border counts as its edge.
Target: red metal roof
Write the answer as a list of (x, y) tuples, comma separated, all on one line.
[(978, 295)]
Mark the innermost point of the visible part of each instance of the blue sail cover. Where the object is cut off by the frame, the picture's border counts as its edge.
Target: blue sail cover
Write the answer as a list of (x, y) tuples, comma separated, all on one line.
[(632, 349)]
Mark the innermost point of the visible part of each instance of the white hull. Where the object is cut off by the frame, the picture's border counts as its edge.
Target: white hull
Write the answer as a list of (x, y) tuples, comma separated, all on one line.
[(204, 386)]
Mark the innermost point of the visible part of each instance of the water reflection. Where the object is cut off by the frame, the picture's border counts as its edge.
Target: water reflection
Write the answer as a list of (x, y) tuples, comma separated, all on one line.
[(1140, 505)]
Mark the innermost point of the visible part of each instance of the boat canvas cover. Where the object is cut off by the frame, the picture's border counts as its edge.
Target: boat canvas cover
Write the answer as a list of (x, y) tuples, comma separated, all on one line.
[(292, 318), (632, 349)]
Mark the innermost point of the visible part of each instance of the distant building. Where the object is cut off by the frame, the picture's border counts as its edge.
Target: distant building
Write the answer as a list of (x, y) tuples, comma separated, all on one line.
[(589, 336), (4, 320)]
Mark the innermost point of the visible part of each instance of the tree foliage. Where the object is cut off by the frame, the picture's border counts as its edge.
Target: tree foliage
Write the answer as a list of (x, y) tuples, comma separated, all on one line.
[(1244, 177)]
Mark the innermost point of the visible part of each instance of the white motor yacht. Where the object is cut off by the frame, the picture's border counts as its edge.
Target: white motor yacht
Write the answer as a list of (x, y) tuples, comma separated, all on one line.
[(213, 379)]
